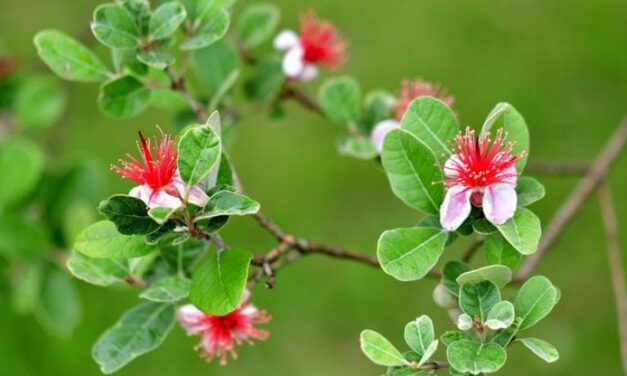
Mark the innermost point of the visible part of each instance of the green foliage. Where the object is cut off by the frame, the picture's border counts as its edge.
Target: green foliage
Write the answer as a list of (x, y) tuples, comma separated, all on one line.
[(535, 299), (408, 254), (358, 147), (379, 350), (218, 284), (468, 356), (498, 251), (541, 348), (420, 337), (340, 99), (228, 203), (98, 271), (478, 299), (505, 116), (501, 316), (156, 59), (199, 150), (522, 231), (102, 239), (215, 65), (68, 58), (498, 274), (529, 190), (167, 290), (140, 330), (59, 308), (39, 103), (412, 171), (257, 23), (21, 238), (124, 97), (433, 123), (266, 80), (166, 19), (129, 214), (21, 167), (115, 27), (208, 29)]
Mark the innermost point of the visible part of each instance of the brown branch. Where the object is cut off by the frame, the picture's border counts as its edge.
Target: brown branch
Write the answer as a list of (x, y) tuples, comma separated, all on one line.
[(616, 266), (571, 206), (558, 168), (292, 92), (474, 247)]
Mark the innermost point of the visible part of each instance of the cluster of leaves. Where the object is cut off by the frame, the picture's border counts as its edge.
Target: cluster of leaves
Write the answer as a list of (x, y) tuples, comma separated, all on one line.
[(411, 156), (42, 207)]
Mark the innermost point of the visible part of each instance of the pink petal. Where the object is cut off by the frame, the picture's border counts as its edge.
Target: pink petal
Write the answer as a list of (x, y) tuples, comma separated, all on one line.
[(191, 319), (452, 166), (499, 203), (511, 175), (380, 131), (286, 40), (455, 208), (309, 72), (142, 192), (197, 195), (162, 199)]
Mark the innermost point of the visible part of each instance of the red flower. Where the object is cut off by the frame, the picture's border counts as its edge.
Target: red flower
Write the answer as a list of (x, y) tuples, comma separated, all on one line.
[(220, 334), (319, 43), (411, 90), (156, 173), (482, 172)]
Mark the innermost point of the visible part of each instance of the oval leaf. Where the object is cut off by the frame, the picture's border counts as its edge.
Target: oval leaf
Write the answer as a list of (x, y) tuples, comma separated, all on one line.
[(124, 97), (498, 251), (522, 231), (167, 290), (68, 58), (228, 203), (408, 254), (379, 350), (535, 299), (21, 167), (129, 215), (433, 123), (115, 27), (541, 348), (140, 330), (218, 284), (97, 271), (257, 24), (529, 190), (478, 299), (211, 27), (412, 171), (199, 150), (467, 356), (340, 99), (501, 316), (166, 19), (102, 239), (419, 334), (505, 116), (498, 274)]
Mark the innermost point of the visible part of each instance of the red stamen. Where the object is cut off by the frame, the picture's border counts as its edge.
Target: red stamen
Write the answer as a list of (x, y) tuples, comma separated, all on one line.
[(321, 42), (411, 90)]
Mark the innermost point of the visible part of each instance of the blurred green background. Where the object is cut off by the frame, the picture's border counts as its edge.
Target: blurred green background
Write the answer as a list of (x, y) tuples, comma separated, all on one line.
[(563, 64)]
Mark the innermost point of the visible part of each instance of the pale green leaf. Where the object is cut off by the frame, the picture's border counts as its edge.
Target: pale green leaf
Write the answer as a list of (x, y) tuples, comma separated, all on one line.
[(199, 150), (467, 356), (464, 322), (501, 316), (379, 350), (21, 167), (103, 240), (124, 97), (156, 59), (228, 203), (166, 19), (535, 299), (257, 23), (97, 271), (419, 334), (59, 308), (340, 99), (529, 190), (115, 27), (478, 299), (211, 27), (498, 274), (541, 348), (498, 251), (522, 231), (39, 103), (167, 290)]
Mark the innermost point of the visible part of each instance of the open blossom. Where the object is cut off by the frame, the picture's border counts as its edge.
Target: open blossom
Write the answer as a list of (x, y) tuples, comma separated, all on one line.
[(318, 44), (220, 334), (410, 90), (157, 176), (481, 172)]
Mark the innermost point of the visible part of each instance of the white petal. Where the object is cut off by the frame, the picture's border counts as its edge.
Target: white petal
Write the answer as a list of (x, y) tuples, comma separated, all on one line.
[(191, 319), (293, 63), (452, 165), (286, 40), (162, 199), (499, 203), (511, 175), (455, 208), (197, 195), (309, 72), (381, 130), (142, 192)]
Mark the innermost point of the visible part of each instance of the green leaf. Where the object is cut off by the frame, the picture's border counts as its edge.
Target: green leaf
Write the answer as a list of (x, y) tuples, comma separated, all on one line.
[(212, 27), (167, 290), (378, 106), (535, 299), (166, 19), (257, 24), (412, 171), (140, 10), (379, 350), (140, 330), (213, 65), (228, 203), (357, 147), (467, 356), (419, 334), (115, 27), (498, 274), (529, 190), (541, 348), (103, 240), (266, 81), (498, 251), (340, 99), (478, 299), (501, 316), (156, 59), (39, 103), (408, 254), (124, 97), (522, 231), (464, 322), (450, 272), (97, 271), (59, 308), (218, 284), (129, 215), (21, 167), (21, 238), (505, 116), (199, 150), (452, 336), (484, 227), (68, 58), (503, 337), (433, 123), (26, 286), (161, 215)]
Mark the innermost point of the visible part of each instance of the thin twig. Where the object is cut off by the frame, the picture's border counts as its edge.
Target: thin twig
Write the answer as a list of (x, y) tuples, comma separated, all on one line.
[(307, 101), (571, 206), (616, 266), (474, 247)]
